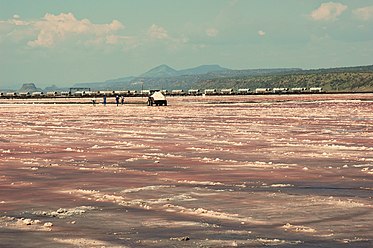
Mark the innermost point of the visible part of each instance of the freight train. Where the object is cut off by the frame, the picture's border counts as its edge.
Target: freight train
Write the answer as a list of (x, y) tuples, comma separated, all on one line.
[(180, 92)]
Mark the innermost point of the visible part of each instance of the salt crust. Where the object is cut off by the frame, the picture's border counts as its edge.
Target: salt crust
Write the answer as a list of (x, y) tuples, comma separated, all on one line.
[(84, 242), (23, 224)]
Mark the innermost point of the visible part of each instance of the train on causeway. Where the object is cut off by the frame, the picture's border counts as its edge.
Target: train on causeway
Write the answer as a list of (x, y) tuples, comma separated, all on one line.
[(84, 92)]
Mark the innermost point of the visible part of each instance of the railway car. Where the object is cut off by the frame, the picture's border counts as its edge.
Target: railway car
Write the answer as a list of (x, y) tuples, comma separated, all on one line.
[(226, 91), (177, 92), (122, 92), (211, 91), (24, 94), (11, 94), (194, 92), (263, 90), (133, 92), (244, 91), (316, 90), (65, 93), (90, 93), (79, 93), (298, 90), (106, 92), (37, 94), (145, 92), (280, 90), (52, 93), (164, 92)]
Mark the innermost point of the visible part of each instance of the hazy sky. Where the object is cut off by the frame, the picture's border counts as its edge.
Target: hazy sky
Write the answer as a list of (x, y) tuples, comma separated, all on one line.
[(64, 42)]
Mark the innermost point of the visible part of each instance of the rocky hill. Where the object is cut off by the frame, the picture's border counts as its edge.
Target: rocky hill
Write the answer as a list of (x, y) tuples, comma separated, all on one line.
[(165, 77), (29, 87), (165, 71), (358, 78), (202, 69), (329, 80), (160, 72)]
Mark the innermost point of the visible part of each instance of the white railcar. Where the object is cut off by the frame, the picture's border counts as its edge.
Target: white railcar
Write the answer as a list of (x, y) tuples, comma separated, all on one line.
[(164, 92), (52, 93), (210, 91), (177, 92), (226, 91), (90, 93), (194, 92), (65, 93), (298, 90), (121, 92), (133, 92), (107, 92), (79, 93), (11, 94), (37, 94), (244, 91), (316, 90), (262, 90), (145, 92), (280, 90), (24, 94)]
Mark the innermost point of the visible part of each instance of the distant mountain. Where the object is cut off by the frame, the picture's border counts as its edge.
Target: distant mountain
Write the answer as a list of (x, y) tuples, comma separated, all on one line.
[(55, 88), (202, 69), (348, 79), (111, 84), (29, 87), (123, 79), (164, 71), (165, 77), (160, 72), (354, 78), (215, 76), (363, 68)]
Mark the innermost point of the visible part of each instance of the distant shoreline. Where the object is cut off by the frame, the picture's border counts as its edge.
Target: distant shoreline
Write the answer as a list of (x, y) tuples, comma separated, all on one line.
[(205, 99)]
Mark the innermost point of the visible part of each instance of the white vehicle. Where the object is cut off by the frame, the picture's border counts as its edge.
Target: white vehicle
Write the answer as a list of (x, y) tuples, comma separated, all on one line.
[(157, 99)]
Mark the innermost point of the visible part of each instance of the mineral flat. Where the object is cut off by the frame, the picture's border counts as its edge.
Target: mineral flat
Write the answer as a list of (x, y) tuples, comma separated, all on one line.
[(235, 171)]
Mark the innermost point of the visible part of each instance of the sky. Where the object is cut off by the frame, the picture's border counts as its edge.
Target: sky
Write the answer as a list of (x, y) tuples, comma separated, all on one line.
[(58, 42)]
